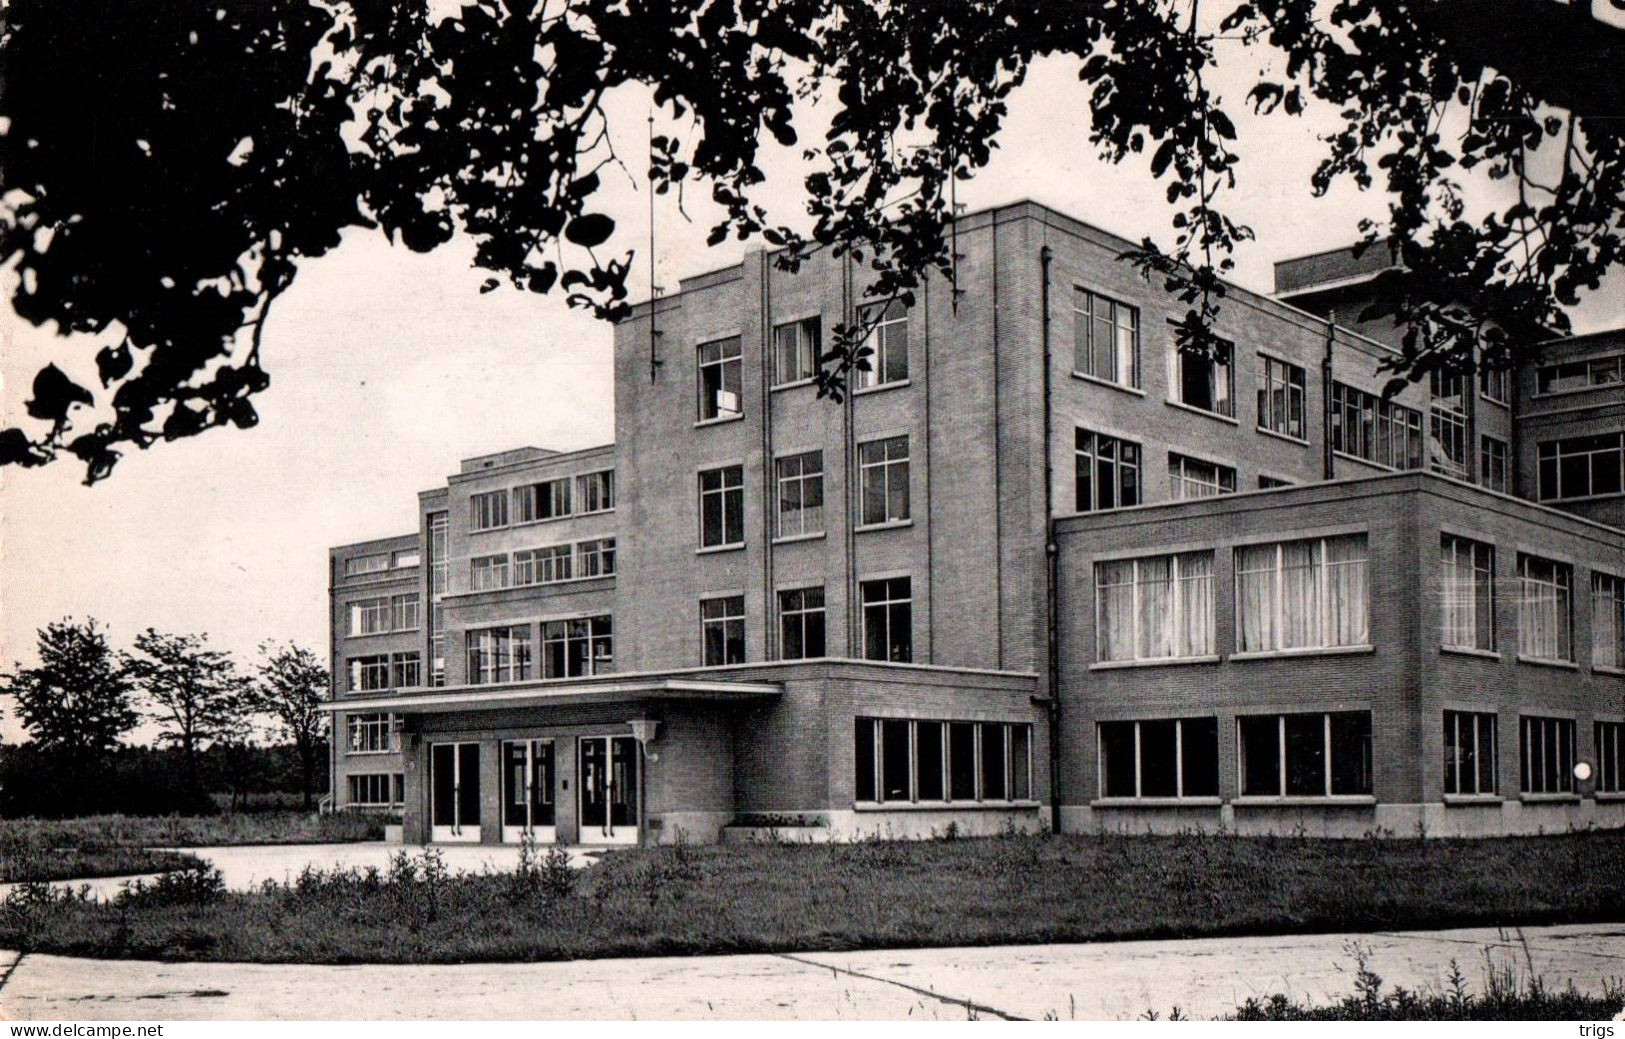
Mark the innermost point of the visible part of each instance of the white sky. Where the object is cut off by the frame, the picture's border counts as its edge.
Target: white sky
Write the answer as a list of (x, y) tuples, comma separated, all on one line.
[(388, 367)]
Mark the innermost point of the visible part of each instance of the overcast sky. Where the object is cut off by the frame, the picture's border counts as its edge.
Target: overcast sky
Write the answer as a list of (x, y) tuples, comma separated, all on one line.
[(388, 367)]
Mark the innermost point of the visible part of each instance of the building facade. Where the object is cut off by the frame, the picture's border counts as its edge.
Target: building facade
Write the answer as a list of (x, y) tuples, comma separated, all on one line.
[(1021, 571)]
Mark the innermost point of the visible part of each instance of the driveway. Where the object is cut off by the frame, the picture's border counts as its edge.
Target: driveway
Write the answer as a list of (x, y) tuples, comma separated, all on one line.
[(1203, 978)]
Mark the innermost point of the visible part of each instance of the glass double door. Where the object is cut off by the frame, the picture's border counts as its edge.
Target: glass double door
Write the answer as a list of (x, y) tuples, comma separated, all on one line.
[(609, 789), (455, 781), (527, 791)]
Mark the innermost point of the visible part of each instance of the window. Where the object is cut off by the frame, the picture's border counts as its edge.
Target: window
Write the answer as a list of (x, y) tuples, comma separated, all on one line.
[(550, 499), (1545, 609), (1580, 375), (406, 670), (596, 558), (1280, 398), (1105, 338), (1492, 463), (722, 507), (801, 623), (722, 630), (377, 789), (370, 673), (1547, 752), (370, 734), (801, 494), (1302, 594), (1607, 621), (721, 380), (909, 760), (796, 348), (888, 620), (1306, 755), (883, 472), (488, 511), (438, 522), (1467, 591), (1156, 608), (1495, 384), (1172, 757), (1108, 472), (403, 611), (357, 566), (1194, 478), (405, 558), (499, 654), (1206, 382), (369, 616), (1610, 757), (1268, 482), (595, 492), (488, 572), (888, 341), (573, 648), (1581, 467), (542, 565), (1447, 424), (1469, 753), (1367, 427)]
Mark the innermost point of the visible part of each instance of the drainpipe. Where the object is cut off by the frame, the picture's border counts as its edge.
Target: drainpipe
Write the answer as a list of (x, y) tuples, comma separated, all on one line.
[(998, 455), (1052, 561), (1329, 458)]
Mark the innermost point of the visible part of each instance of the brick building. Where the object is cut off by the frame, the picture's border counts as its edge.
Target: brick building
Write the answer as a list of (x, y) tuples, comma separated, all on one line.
[(1038, 568)]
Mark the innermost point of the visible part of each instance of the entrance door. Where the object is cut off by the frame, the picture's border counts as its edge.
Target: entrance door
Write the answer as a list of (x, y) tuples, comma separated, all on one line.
[(609, 790), (527, 791), (455, 778)]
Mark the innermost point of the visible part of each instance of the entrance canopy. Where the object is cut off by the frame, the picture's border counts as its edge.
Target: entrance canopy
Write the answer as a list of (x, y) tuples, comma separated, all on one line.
[(598, 689)]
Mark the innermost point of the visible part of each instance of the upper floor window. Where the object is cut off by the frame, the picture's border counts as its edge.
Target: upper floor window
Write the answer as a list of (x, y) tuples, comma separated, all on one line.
[(722, 507), (1580, 375), (796, 347), (403, 611), (1105, 338), (1607, 621), (542, 565), (1492, 463), (1194, 478), (1309, 594), (1495, 384), (547, 500), (1168, 757), (887, 342), (1581, 467), (888, 620), (406, 670), (883, 476), (488, 511), (1376, 430), (369, 674), (369, 616), (488, 572), (1470, 756), (596, 558), (722, 630), (1547, 749), (1545, 609), (801, 623), (801, 494), (595, 492), (499, 654), (1108, 472), (370, 734), (1268, 482), (578, 647), (438, 523), (1206, 381), (721, 380), (356, 566), (1447, 424), (1281, 397), (1467, 591), (1155, 608), (1305, 755), (405, 558)]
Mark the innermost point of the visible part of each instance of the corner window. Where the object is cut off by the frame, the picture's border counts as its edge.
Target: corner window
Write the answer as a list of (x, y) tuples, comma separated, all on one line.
[(904, 760), (1105, 338), (1467, 591), (1281, 397), (887, 341), (1155, 608), (888, 620), (1305, 755), (1545, 609), (801, 494), (1193, 478), (722, 630), (1607, 621), (1107, 472), (1469, 753), (796, 347), (722, 507), (801, 623), (1546, 746), (1581, 467), (1307, 594), (883, 481), (721, 380), (1206, 381), (1170, 757)]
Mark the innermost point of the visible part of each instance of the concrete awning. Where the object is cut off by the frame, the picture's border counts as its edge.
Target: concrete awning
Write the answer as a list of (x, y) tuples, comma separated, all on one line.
[(598, 689)]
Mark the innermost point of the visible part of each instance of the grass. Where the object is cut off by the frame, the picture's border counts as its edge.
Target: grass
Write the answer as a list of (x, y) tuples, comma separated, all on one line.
[(114, 845), (682, 899)]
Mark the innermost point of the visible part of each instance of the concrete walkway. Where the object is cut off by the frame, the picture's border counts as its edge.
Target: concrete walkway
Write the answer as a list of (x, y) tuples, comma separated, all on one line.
[(1203, 978)]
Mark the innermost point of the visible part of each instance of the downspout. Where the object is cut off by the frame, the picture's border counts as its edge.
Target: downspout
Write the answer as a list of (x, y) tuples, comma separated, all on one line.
[(998, 467), (769, 481), (1329, 457), (930, 502), (1052, 563), (854, 631)]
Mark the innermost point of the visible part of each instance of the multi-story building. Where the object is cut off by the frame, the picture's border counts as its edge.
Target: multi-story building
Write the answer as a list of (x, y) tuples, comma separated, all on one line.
[(1037, 568)]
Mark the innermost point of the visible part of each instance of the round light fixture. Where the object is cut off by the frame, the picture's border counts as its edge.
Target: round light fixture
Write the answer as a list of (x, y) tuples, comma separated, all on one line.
[(1582, 771)]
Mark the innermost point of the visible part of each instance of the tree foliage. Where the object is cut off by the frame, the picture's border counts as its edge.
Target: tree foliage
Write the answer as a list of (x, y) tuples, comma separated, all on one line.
[(77, 701), (291, 688), (197, 694), (166, 172)]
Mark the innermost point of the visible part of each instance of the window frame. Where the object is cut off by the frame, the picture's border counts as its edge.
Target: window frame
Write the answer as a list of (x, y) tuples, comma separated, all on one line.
[(369, 733), (1608, 735), (581, 638), (1184, 473), (1283, 386), (801, 480), (488, 510), (1451, 547), (1102, 790), (1529, 750), (1327, 760), (724, 614), (391, 783), (889, 466), (358, 611), (800, 615), (884, 336), (806, 348), (602, 551), (724, 492), (886, 606), (1089, 318), (598, 484), (1177, 611), (729, 367), (1015, 777), (1607, 593), (1372, 423), (1224, 402), (1278, 615), (1562, 580), (499, 654), (1556, 457), (1089, 457), (1494, 456), (1466, 728)]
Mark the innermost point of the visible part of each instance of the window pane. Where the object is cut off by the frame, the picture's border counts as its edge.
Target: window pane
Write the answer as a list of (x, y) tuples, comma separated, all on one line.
[(993, 762), (962, 761), (1199, 748), (1305, 754), (863, 753), (1260, 756), (895, 764), (1159, 759), (1117, 759), (1021, 762), (1351, 752), (928, 761)]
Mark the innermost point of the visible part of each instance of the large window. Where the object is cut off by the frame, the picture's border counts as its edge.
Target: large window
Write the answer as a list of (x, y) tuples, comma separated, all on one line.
[(1281, 398), (499, 654), (357, 566), (796, 347), (1157, 608), (1447, 424), (1607, 621), (902, 760), (883, 476), (1306, 755), (1580, 375), (722, 630), (1206, 381), (801, 623), (369, 616), (888, 620), (488, 572), (596, 558), (1469, 753), (1610, 757), (1309, 594), (1108, 472), (1492, 463), (370, 734), (1545, 609), (406, 670), (1376, 430), (1193, 478), (550, 499), (369, 674), (542, 565), (801, 494), (595, 492), (1168, 757), (721, 380), (1105, 338), (722, 507), (1581, 467), (573, 648), (1467, 592), (1546, 747), (403, 611), (377, 789), (488, 511), (888, 342)]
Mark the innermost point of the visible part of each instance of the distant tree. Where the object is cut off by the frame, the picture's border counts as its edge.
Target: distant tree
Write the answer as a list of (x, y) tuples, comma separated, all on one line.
[(78, 700), (198, 695), (291, 687)]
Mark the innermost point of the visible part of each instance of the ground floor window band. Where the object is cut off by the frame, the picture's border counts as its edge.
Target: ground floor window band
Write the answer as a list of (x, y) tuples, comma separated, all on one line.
[(905, 760)]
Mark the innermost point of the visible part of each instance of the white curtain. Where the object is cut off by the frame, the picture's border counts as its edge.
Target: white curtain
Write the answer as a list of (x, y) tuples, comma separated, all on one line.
[(1255, 596), (1196, 605), (1115, 594), (1605, 622), (1347, 616), (1300, 617), (1156, 581)]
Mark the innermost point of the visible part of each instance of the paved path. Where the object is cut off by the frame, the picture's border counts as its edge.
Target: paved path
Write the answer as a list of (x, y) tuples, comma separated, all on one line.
[(1204, 978)]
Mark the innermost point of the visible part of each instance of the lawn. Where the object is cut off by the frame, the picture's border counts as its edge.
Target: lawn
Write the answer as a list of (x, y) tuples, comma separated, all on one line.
[(763, 898)]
